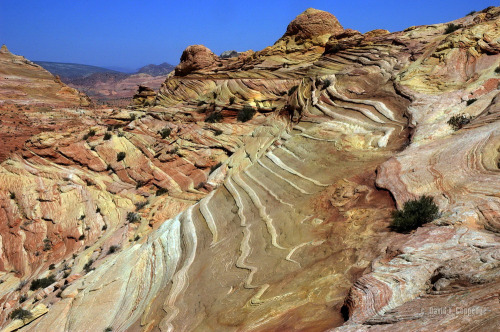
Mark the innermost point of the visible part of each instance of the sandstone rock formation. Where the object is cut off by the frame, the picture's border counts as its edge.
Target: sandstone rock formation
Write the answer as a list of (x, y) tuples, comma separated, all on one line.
[(279, 223)]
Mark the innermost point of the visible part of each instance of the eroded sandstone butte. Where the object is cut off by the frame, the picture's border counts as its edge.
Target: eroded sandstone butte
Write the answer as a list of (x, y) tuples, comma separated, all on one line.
[(289, 232)]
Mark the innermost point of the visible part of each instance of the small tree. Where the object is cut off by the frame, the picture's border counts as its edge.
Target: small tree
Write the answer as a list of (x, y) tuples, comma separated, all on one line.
[(451, 28), (165, 132), (246, 114), (20, 313), (414, 214), (458, 121), (120, 156)]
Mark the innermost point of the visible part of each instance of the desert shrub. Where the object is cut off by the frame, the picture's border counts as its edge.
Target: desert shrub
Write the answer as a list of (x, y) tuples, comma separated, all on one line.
[(214, 167), (82, 237), (139, 184), (12, 196), (246, 114), (326, 83), (120, 156), (137, 238), (458, 121), (133, 217), (42, 283), (105, 227), (23, 298), (471, 13), (292, 90), (451, 28), (88, 266), (108, 329), (414, 214), (91, 132), (470, 101), (165, 132), (161, 191), (20, 313), (218, 132), (201, 103), (121, 134), (113, 249), (497, 70), (52, 266), (214, 117), (231, 100), (140, 205), (107, 136)]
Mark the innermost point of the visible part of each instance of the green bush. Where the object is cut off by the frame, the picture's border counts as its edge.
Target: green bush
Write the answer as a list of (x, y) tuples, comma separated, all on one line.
[(414, 214), (120, 156), (113, 249), (88, 267), (246, 114), (470, 101), (42, 283), (107, 136), (451, 28), (214, 117), (458, 121), (161, 191), (133, 217), (20, 313), (165, 132)]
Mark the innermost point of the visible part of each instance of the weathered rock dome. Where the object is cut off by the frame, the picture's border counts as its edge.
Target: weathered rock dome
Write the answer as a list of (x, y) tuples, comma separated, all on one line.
[(195, 57), (313, 22)]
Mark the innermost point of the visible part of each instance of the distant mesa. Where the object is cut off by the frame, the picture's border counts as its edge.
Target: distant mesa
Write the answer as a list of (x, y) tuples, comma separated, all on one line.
[(157, 70), (229, 54)]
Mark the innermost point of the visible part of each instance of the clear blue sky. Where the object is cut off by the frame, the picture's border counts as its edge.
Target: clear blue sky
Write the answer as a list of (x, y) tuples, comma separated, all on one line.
[(133, 33)]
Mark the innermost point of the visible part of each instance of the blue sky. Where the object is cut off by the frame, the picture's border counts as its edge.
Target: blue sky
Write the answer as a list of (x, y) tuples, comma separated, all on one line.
[(133, 33)]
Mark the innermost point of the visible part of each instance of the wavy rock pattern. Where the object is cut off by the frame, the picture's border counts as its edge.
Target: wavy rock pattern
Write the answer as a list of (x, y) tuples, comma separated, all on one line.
[(295, 215)]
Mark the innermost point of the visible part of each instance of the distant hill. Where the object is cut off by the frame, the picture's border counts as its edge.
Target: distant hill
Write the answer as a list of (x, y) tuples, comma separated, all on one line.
[(72, 70), (157, 70)]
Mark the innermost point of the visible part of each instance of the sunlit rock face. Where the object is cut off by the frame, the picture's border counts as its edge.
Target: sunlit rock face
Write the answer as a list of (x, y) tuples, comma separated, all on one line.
[(290, 231)]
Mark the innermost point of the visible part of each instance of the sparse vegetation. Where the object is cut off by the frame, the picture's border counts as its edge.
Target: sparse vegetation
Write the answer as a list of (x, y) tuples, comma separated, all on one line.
[(88, 266), (451, 28), (161, 191), (201, 103), (105, 227), (42, 283), (23, 298), (82, 237), (132, 116), (20, 313), (497, 70), (120, 156), (137, 238), (113, 249), (121, 134), (140, 205), (47, 245), (133, 217), (214, 117), (231, 100), (108, 329), (326, 83), (471, 13), (107, 136), (470, 101), (12, 195), (52, 266), (246, 114), (414, 214), (458, 121), (218, 132), (165, 132)]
